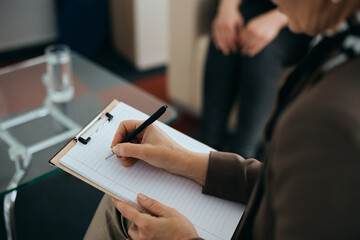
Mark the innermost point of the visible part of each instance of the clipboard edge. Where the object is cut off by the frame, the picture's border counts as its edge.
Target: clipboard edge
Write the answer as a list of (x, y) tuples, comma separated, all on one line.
[(55, 161), (61, 152)]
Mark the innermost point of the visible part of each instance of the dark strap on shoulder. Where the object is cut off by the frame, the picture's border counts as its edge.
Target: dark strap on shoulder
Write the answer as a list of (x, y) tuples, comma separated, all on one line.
[(299, 78)]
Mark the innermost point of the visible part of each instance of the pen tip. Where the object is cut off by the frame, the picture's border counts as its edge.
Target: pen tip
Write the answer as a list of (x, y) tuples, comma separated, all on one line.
[(111, 153)]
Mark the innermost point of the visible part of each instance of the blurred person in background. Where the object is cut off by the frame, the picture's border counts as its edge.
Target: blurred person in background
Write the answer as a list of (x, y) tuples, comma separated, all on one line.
[(249, 49)]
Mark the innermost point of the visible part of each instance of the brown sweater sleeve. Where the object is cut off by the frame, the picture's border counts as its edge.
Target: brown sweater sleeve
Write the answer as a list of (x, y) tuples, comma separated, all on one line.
[(229, 176)]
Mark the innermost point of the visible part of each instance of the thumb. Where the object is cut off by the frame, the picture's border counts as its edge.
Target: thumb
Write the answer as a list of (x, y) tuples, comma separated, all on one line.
[(154, 207), (131, 150)]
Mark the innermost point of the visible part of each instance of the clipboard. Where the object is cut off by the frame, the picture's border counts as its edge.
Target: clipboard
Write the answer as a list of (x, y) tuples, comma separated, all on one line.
[(176, 191), (55, 160)]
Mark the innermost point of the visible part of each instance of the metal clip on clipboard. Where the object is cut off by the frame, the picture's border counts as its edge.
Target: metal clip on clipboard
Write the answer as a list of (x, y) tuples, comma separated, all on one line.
[(79, 137)]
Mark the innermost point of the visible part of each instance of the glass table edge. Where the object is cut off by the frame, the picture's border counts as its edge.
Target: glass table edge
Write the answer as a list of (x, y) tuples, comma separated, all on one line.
[(58, 170)]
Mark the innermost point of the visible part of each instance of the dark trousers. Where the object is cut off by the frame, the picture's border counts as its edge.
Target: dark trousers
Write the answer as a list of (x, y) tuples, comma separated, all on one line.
[(251, 81)]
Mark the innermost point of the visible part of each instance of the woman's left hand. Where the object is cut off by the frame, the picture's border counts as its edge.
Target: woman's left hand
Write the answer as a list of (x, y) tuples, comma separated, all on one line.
[(261, 31), (163, 223)]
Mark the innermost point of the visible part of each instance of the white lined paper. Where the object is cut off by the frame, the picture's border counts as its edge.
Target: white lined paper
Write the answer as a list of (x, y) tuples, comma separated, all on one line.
[(212, 217)]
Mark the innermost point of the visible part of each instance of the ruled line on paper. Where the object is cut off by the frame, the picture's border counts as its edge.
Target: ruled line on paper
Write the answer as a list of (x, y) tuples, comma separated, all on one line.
[(205, 230), (102, 174)]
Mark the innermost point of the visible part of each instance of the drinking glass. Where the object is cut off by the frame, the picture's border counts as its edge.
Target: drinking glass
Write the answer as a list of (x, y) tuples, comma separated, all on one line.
[(58, 76)]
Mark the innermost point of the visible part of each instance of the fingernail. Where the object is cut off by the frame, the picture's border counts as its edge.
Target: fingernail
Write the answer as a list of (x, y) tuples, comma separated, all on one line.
[(142, 196), (116, 149)]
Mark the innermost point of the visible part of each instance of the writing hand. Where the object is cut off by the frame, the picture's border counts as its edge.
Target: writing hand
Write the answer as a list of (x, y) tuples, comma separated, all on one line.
[(155, 147), (163, 223)]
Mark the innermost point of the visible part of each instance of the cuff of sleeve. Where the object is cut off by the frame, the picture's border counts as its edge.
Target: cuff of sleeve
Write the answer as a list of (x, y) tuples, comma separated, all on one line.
[(224, 178), (212, 173)]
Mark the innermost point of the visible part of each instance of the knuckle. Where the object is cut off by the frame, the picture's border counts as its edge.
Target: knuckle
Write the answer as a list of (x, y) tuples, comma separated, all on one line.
[(268, 37), (172, 211), (136, 219), (228, 26), (127, 150), (140, 224), (133, 226), (123, 150), (154, 126), (146, 226), (125, 122), (151, 203), (141, 152), (125, 212), (253, 31)]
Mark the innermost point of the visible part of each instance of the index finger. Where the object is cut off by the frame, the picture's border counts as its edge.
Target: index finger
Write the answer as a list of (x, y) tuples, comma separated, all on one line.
[(128, 211), (231, 40), (242, 37), (125, 128)]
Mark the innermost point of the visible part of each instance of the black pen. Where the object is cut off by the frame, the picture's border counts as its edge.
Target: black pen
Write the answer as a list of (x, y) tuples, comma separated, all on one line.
[(149, 121)]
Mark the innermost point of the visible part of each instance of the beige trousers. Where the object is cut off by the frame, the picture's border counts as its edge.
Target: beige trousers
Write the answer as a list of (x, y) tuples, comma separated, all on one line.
[(107, 223)]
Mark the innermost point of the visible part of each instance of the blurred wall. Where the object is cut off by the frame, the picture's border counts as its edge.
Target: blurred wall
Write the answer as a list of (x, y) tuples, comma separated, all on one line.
[(26, 22), (140, 31), (151, 32)]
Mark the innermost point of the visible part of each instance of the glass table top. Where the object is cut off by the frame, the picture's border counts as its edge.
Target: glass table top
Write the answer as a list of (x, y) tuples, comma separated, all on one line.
[(22, 90)]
